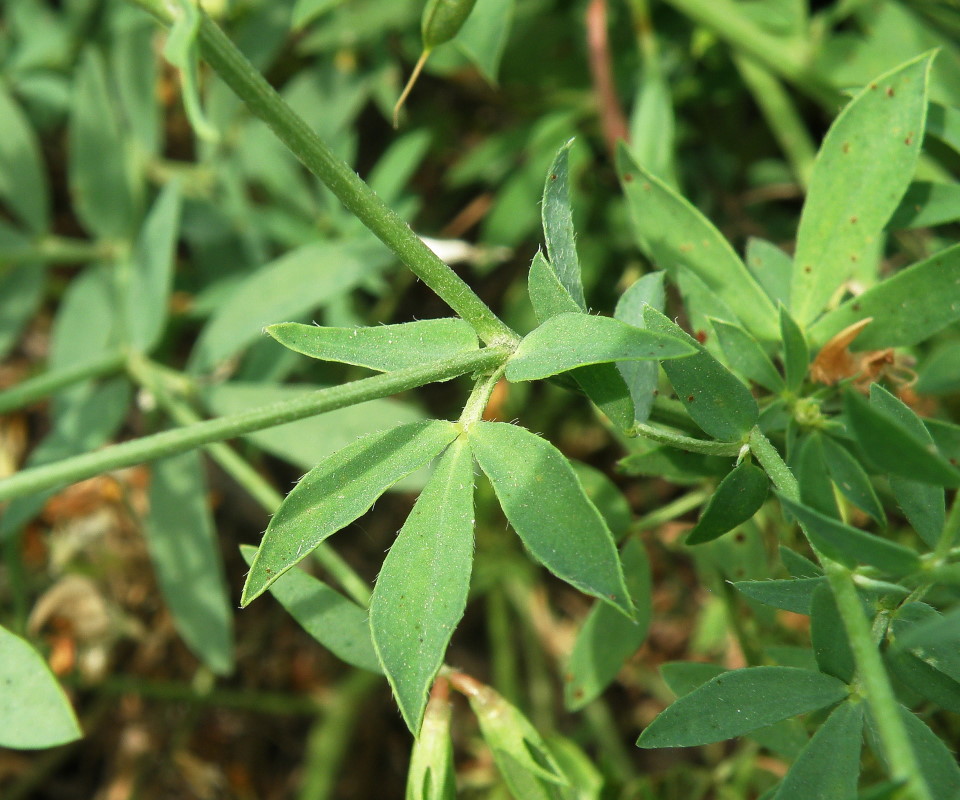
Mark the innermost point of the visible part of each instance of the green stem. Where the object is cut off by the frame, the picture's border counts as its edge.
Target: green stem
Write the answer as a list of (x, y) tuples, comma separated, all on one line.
[(179, 440), (156, 379), (688, 443), (950, 530), (672, 510), (61, 250), (241, 76), (33, 389), (871, 672)]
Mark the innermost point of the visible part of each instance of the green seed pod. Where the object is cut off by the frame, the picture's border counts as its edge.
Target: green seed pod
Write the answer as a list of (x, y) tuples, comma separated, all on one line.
[(442, 19)]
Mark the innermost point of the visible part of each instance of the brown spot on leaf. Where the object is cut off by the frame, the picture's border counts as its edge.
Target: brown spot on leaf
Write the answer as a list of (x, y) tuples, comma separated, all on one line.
[(846, 147), (890, 92), (808, 269), (853, 220), (628, 176), (690, 398), (701, 336)]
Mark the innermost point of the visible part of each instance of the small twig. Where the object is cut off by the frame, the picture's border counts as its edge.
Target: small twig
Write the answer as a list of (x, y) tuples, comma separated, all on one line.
[(612, 118)]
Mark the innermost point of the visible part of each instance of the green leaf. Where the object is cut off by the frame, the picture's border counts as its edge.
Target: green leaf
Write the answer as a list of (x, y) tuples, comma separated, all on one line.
[(746, 357), (432, 775), (183, 549), (546, 506), (797, 565), (421, 591), (653, 123), (291, 286), (937, 763), (135, 69), (679, 466), (508, 732), (925, 204), (852, 479), (682, 677), (21, 291), (101, 187), (182, 51), (864, 166), (828, 768), (851, 546), (809, 464), (741, 701), (337, 491), (940, 371), (738, 497), (772, 268), (640, 377), (151, 271), (23, 179), (907, 308), (924, 506), (484, 35), (796, 356), (34, 711), (927, 681), (382, 347), (607, 497), (677, 237), (572, 340), (339, 624), (548, 296), (558, 226), (892, 445), (305, 11), (828, 635), (607, 639), (713, 396), (932, 637), (791, 595)]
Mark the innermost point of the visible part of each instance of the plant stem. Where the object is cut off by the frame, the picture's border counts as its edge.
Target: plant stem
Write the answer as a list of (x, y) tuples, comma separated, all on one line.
[(688, 443), (871, 673), (33, 389), (61, 250), (152, 377), (179, 440), (672, 510), (247, 82)]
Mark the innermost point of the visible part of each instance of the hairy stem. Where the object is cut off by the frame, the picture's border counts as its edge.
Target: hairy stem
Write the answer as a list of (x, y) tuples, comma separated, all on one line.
[(33, 389)]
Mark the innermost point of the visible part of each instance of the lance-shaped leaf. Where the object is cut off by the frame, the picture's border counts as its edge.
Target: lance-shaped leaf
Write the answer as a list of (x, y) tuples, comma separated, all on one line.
[(937, 763), (794, 595), (678, 238), (23, 180), (337, 491), (892, 443), (852, 479), (797, 565), (713, 396), (809, 464), (741, 701), (550, 512), (572, 340), (738, 497), (745, 355), (432, 775), (851, 546), (796, 356), (558, 226), (484, 35), (607, 639), (864, 166), (907, 308), (548, 296), (831, 647), (924, 506), (927, 681), (828, 768), (34, 711), (930, 636), (183, 549), (421, 591), (337, 623), (926, 203), (382, 347), (509, 733), (641, 377), (771, 267)]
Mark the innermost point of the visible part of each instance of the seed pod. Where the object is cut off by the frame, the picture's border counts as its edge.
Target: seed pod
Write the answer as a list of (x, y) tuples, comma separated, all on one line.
[(441, 21)]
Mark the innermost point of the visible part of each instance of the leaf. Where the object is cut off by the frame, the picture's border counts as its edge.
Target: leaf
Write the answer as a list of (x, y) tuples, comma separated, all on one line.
[(828, 768), (713, 396), (640, 377), (337, 491), (791, 595), (797, 565), (432, 775), (182, 51), (484, 35), (772, 268), (937, 763), (339, 624), (852, 479), (796, 356), (382, 347), (151, 271), (933, 638), (290, 286), (828, 635), (864, 166), (809, 464), (183, 550), (851, 546), (894, 447), (677, 237), (924, 506), (23, 179), (558, 226), (740, 701), (653, 124), (607, 497), (746, 357), (907, 308), (99, 183), (927, 681), (508, 732), (546, 506), (926, 203), (135, 69), (21, 291), (422, 588), (548, 296), (737, 498), (34, 711), (607, 639), (305, 11), (572, 340), (682, 677)]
